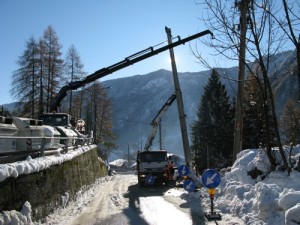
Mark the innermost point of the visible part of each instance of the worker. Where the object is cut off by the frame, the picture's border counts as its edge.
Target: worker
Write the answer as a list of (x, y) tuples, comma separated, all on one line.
[(80, 126), (167, 172), (171, 170)]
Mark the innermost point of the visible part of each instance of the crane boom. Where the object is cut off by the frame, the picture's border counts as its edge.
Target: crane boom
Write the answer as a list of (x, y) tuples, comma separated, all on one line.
[(130, 60), (156, 121)]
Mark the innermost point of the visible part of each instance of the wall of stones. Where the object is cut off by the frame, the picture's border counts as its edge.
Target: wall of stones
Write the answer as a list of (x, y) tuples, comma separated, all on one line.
[(44, 189)]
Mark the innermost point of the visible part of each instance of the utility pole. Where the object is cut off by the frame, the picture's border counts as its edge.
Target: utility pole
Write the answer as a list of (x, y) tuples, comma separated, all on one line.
[(181, 113), (238, 126)]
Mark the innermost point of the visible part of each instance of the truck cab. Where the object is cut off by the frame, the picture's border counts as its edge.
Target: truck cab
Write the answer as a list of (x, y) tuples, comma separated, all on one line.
[(152, 163), (64, 124)]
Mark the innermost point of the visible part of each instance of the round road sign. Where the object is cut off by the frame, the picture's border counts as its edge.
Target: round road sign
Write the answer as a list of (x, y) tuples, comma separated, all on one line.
[(150, 180), (183, 170), (189, 185), (211, 178)]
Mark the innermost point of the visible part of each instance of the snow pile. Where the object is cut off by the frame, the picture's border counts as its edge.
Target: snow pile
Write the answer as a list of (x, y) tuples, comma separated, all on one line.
[(273, 200), (17, 218), (30, 165)]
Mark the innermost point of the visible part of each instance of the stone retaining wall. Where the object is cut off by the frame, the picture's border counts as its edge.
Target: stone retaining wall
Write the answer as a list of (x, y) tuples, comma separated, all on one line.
[(44, 190)]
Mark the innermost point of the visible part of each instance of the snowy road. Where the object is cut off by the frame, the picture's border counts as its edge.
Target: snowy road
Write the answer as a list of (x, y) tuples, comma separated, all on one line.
[(119, 200)]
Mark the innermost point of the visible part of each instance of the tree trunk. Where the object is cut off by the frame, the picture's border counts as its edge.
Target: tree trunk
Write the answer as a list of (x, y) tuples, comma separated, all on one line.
[(274, 118), (298, 62)]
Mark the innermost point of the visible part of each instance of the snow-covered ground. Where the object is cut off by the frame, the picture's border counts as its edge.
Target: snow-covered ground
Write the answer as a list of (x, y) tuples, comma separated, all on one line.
[(272, 200)]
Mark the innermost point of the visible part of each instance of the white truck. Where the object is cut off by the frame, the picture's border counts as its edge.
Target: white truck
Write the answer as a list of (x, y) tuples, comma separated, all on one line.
[(152, 163), (64, 123)]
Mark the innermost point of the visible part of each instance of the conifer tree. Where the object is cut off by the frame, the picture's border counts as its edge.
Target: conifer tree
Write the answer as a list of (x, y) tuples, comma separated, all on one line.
[(212, 132), (42, 79), (73, 69), (53, 64), (256, 133), (253, 122), (24, 80), (291, 122)]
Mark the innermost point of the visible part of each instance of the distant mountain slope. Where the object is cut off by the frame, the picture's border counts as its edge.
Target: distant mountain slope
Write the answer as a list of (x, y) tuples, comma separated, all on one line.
[(136, 101)]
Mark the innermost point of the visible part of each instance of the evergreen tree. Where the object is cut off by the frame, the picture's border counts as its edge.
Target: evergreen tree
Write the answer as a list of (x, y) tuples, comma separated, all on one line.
[(253, 122), (255, 133), (291, 123), (212, 132)]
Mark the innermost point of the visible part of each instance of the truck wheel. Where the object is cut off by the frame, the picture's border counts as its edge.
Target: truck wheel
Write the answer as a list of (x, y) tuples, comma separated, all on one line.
[(142, 184)]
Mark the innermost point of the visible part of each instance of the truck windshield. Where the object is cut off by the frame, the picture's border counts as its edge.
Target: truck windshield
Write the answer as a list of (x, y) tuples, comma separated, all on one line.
[(55, 120), (153, 157)]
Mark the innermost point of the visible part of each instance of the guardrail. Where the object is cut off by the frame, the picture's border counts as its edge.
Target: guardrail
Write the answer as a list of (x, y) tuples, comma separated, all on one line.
[(42, 146)]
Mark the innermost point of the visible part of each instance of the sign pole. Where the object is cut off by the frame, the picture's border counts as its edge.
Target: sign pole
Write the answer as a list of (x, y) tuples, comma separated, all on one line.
[(211, 193), (211, 179)]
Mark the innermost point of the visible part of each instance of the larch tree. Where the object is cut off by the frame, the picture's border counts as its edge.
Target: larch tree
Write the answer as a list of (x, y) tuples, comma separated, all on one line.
[(101, 121), (24, 80), (53, 64), (42, 79), (73, 70)]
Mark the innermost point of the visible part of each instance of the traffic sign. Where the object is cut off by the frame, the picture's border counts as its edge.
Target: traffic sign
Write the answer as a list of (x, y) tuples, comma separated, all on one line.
[(183, 170), (189, 185), (211, 178), (150, 180)]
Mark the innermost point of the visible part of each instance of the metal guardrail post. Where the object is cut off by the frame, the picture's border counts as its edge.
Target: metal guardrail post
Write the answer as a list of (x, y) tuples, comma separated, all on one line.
[(43, 144), (66, 145)]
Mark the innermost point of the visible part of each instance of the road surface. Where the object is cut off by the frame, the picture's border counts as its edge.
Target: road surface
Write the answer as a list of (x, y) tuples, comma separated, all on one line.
[(118, 200)]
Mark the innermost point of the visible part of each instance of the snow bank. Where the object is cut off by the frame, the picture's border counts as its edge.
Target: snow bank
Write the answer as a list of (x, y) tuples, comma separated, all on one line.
[(292, 215), (17, 218), (273, 200), (30, 165)]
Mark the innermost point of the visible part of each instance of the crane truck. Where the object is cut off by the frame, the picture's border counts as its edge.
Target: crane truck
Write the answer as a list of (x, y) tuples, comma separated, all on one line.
[(154, 163)]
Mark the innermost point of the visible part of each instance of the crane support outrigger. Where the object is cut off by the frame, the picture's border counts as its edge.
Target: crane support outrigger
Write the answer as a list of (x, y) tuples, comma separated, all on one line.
[(130, 60), (156, 121)]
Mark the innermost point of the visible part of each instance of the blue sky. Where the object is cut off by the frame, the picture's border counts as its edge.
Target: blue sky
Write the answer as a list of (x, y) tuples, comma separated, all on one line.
[(103, 32)]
